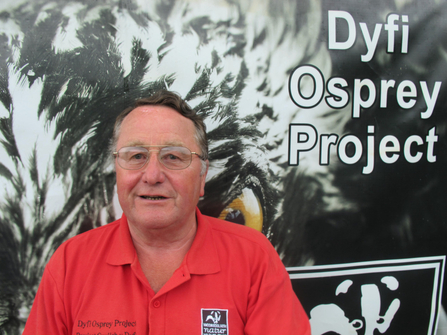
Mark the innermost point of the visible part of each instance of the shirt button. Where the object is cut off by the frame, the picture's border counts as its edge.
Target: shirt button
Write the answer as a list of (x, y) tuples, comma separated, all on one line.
[(157, 303)]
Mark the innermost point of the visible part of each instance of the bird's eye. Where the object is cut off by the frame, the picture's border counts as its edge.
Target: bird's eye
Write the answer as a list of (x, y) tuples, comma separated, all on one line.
[(246, 209)]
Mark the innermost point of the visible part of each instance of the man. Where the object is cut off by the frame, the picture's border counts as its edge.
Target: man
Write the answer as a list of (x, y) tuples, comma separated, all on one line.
[(164, 268)]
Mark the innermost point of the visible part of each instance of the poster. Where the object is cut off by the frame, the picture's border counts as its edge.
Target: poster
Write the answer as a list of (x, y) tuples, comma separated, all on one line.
[(326, 122)]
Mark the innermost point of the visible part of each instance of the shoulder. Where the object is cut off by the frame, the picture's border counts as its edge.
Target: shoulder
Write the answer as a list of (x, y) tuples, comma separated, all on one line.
[(245, 251), (234, 233), (93, 235), (86, 245)]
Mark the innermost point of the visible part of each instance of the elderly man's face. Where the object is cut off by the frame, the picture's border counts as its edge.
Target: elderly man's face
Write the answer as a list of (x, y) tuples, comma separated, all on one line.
[(155, 197)]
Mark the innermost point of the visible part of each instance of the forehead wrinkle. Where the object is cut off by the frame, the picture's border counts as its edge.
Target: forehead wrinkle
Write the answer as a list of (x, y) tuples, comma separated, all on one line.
[(169, 143)]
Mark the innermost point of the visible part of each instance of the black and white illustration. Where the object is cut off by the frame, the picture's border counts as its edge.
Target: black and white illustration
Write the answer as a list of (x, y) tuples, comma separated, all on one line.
[(67, 68), (386, 297)]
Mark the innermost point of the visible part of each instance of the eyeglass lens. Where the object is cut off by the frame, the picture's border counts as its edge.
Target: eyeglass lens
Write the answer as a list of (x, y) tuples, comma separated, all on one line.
[(174, 158)]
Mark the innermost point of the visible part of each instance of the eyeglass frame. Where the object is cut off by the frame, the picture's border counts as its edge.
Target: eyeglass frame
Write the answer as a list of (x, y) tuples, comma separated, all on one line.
[(116, 153)]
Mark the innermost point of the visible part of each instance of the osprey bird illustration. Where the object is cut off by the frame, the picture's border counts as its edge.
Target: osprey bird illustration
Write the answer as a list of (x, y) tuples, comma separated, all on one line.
[(68, 68)]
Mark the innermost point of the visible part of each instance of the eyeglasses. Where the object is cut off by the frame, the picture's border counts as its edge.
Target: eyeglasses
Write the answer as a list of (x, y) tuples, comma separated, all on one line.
[(174, 158)]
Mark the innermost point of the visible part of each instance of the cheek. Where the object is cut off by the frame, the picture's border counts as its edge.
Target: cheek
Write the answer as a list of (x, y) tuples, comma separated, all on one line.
[(186, 185), (125, 182)]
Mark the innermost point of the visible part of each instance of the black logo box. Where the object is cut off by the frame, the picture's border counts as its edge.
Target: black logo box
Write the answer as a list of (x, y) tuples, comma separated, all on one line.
[(419, 291)]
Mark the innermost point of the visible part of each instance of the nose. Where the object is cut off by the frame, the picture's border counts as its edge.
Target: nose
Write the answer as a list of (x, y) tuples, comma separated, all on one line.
[(153, 172)]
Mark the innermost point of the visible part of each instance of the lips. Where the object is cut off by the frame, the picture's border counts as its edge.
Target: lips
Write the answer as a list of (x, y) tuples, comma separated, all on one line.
[(152, 198)]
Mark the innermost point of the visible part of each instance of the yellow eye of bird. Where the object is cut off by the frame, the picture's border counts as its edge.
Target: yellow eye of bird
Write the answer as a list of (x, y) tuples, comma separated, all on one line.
[(246, 209)]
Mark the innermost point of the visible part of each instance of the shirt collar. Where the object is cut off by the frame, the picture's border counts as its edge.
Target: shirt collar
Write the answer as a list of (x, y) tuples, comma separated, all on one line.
[(122, 250), (202, 257)]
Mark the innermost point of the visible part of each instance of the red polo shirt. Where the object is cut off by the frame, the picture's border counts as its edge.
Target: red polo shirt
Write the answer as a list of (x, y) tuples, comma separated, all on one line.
[(230, 282)]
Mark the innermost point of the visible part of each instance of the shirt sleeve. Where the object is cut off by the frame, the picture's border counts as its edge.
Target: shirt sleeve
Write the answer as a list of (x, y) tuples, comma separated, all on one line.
[(273, 305), (47, 316)]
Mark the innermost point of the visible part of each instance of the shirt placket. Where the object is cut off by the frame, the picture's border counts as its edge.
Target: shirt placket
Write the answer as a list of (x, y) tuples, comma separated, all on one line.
[(157, 315), (158, 305)]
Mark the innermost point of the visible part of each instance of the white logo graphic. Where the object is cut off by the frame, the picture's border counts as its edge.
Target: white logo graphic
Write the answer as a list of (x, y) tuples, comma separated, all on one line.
[(330, 317), (214, 316)]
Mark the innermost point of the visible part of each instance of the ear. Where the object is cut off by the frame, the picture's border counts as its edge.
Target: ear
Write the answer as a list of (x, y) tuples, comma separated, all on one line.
[(203, 179)]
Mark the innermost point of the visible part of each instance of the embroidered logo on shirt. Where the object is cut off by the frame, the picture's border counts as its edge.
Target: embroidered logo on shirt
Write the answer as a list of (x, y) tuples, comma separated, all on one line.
[(214, 321)]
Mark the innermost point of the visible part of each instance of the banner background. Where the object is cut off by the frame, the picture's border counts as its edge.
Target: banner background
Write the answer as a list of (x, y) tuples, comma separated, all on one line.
[(67, 68)]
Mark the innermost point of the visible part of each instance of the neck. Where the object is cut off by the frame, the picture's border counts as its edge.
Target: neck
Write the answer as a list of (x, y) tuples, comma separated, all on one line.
[(160, 240), (161, 252)]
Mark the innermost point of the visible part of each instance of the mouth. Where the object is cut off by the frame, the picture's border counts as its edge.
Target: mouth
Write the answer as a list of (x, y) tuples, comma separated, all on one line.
[(152, 198)]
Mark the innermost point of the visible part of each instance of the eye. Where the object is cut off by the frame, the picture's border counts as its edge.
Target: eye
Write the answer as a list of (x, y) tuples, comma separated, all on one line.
[(137, 157), (174, 155), (246, 209), (171, 157)]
